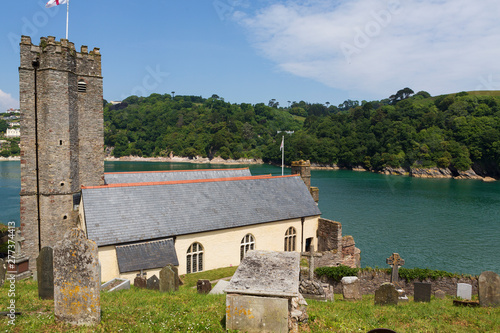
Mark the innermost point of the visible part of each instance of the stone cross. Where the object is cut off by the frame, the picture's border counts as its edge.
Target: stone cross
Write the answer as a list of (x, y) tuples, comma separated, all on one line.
[(18, 240), (77, 287), (395, 261), (311, 256)]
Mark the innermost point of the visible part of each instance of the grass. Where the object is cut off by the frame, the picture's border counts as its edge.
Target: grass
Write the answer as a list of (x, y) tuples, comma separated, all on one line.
[(139, 310)]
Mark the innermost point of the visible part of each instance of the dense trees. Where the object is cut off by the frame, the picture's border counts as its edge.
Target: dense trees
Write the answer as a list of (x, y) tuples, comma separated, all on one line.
[(405, 130)]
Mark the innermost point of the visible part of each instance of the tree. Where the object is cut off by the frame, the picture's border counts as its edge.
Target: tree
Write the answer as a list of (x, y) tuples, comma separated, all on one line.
[(3, 125), (401, 95)]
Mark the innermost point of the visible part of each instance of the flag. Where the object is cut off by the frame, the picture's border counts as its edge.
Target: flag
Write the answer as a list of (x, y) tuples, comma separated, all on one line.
[(282, 143), (53, 3)]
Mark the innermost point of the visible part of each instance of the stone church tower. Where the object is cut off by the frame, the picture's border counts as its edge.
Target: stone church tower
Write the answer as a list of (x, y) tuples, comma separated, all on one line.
[(62, 140)]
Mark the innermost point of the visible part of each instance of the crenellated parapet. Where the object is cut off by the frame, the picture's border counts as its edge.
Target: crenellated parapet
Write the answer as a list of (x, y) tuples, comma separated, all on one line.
[(60, 55)]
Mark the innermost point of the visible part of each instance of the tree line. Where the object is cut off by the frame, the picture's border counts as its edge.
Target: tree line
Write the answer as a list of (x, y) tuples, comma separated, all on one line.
[(405, 130)]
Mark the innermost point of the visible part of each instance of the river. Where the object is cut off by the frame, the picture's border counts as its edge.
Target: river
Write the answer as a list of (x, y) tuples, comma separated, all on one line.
[(444, 224)]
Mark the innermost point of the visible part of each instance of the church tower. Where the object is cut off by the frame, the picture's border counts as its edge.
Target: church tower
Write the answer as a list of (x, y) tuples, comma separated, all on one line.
[(62, 137)]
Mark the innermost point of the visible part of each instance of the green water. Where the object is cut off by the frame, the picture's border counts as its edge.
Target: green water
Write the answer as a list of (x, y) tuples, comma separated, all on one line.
[(445, 224)]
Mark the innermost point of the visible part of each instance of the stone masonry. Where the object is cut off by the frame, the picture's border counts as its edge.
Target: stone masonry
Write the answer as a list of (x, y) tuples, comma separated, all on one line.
[(62, 135)]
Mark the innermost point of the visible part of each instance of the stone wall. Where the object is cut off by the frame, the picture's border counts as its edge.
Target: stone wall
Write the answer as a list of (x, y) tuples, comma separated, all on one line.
[(371, 281), (62, 136), (333, 248)]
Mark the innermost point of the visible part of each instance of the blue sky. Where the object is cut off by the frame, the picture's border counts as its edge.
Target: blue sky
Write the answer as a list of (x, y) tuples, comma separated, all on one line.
[(253, 51)]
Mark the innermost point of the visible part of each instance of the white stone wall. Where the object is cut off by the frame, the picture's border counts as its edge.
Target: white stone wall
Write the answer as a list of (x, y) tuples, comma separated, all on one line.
[(221, 248)]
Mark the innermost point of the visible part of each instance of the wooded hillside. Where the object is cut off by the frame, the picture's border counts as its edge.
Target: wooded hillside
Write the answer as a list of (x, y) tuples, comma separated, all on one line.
[(405, 130)]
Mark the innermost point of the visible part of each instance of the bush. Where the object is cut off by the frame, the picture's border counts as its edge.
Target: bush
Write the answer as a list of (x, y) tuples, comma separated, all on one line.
[(336, 273)]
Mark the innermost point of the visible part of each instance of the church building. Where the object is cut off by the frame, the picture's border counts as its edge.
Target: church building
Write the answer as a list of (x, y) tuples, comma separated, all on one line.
[(196, 220), (141, 221)]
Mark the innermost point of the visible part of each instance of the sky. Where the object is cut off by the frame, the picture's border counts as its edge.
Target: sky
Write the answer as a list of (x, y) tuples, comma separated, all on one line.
[(247, 51)]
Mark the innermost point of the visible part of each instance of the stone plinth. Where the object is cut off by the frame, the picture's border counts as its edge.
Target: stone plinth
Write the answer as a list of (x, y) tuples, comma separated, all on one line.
[(263, 294)]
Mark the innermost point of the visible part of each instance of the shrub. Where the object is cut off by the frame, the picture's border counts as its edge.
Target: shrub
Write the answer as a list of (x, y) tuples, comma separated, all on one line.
[(336, 273)]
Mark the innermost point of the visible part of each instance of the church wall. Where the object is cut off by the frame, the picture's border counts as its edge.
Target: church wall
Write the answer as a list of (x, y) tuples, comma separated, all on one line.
[(109, 263), (220, 248)]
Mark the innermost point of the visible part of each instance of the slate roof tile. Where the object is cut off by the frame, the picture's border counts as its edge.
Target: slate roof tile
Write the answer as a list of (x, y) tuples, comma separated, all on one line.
[(146, 255), (116, 215), (173, 175)]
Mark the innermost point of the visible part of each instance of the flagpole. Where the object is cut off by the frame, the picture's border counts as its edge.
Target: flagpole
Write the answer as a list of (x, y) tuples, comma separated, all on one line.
[(67, 18), (283, 156)]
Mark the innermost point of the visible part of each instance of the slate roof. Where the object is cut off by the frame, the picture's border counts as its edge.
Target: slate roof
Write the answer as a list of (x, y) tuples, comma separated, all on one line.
[(146, 255), (120, 213), (173, 175)]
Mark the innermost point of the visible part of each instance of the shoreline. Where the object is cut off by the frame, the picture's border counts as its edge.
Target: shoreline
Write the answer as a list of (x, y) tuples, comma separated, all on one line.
[(427, 173), (177, 159)]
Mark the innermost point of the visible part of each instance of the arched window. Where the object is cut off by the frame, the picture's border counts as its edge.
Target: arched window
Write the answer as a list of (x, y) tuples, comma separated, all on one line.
[(82, 86), (194, 258), (290, 237), (247, 244)]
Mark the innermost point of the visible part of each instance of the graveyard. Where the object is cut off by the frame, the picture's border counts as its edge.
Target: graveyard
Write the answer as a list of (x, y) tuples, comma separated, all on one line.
[(185, 310)]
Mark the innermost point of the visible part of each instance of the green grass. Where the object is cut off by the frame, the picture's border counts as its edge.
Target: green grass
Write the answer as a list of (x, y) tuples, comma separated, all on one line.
[(190, 280), (139, 310)]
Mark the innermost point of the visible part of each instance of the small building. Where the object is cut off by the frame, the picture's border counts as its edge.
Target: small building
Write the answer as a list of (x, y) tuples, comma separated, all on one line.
[(196, 220), (13, 133)]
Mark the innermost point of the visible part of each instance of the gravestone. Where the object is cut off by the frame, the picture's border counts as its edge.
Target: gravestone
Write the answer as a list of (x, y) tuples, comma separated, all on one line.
[(489, 289), (260, 295), (422, 292), (3, 271), (141, 281), (203, 286), (219, 287), (153, 283), (395, 261), (77, 298), (45, 273), (351, 289), (169, 279), (386, 294), (464, 291), (440, 294)]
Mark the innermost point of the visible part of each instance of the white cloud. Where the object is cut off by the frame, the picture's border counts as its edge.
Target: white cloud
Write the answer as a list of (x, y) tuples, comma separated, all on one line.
[(7, 102), (373, 48)]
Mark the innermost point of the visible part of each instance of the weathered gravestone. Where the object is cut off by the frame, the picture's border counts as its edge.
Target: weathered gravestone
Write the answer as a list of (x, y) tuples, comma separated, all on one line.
[(141, 281), (422, 292), (263, 294), (351, 289), (440, 294), (77, 298), (219, 288), (489, 289), (386, 294), (153, 283), (169, 279), (464, 291), (203, 286), (45, 273), (3, 271)]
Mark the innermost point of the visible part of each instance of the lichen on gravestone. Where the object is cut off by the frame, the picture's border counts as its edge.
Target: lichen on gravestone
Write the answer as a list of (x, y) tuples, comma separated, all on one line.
[(76, 280)]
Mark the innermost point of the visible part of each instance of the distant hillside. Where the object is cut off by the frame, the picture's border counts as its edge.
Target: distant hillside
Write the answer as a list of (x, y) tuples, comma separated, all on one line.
[(457, 131)]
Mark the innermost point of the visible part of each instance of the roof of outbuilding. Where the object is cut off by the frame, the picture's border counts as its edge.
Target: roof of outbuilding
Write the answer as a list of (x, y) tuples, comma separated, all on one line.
[(173, 175), (125, 213), (146, 255)]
